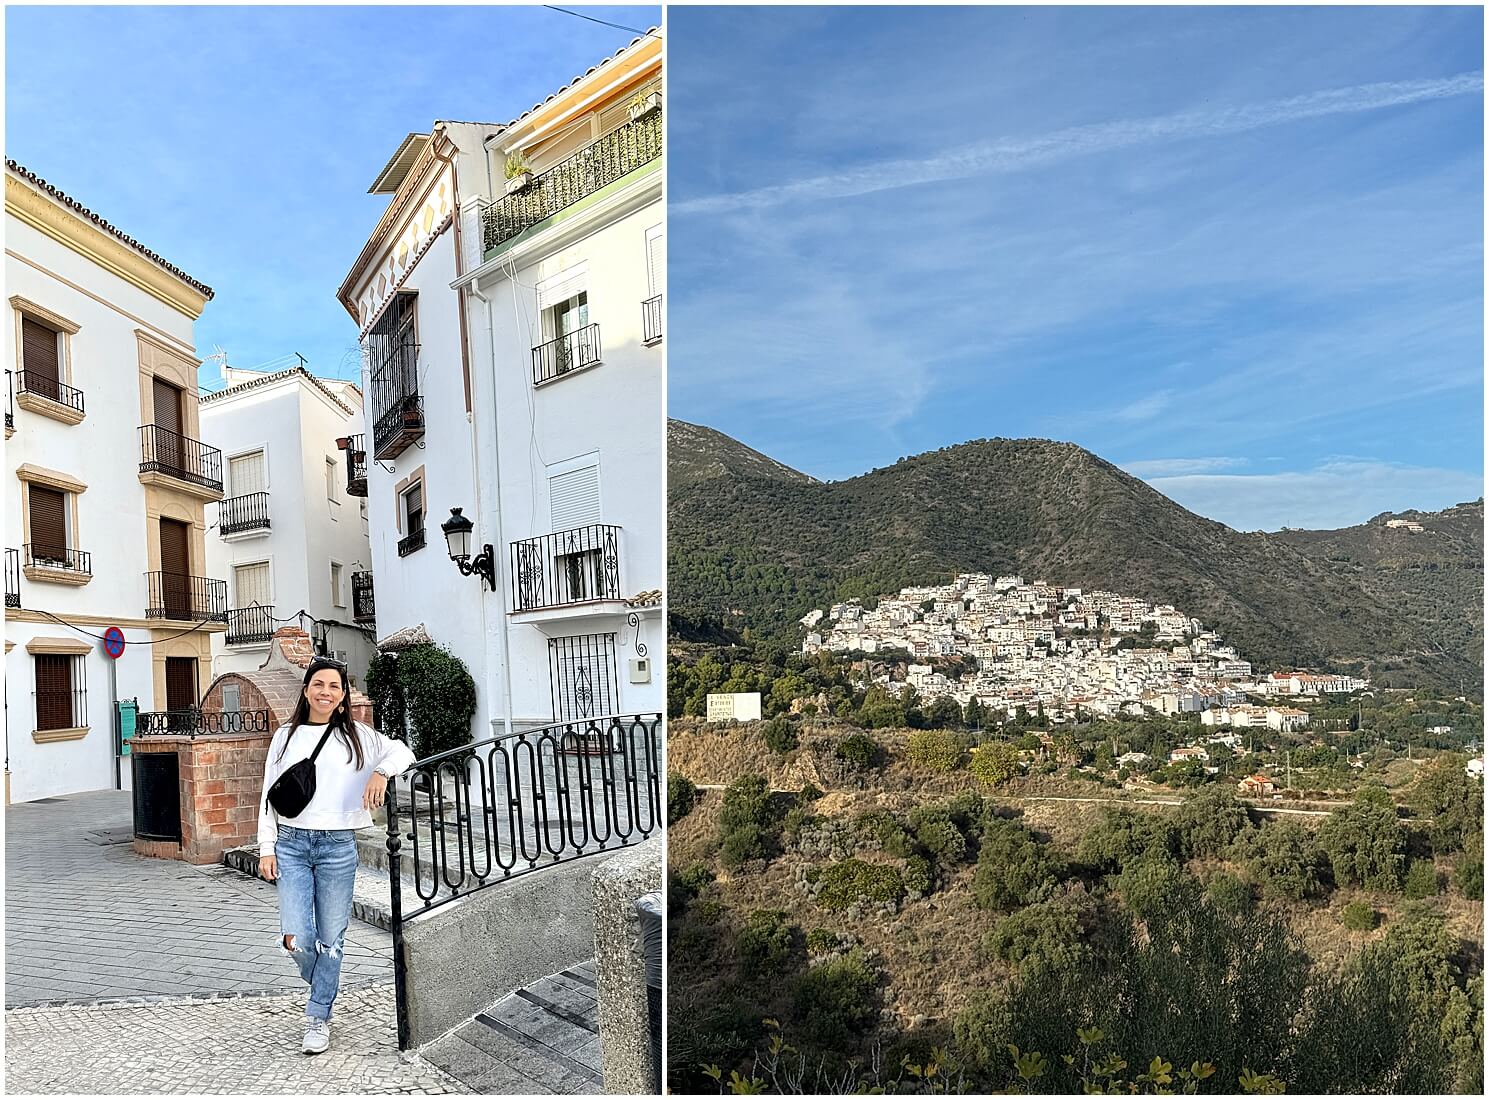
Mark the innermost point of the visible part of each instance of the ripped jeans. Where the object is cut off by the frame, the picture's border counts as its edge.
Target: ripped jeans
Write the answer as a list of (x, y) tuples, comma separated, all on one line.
[(317, 870)]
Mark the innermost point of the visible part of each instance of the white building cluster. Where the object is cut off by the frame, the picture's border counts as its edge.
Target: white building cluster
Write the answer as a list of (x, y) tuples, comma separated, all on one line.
[(1062, 649)]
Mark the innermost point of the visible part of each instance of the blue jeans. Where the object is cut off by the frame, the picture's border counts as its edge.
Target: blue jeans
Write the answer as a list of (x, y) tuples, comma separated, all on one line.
[(317, 870)]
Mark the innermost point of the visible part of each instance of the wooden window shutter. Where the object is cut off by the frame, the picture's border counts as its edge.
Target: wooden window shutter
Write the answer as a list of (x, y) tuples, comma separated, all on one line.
[(48, 523), (53, 691), (656, 261), (39, 348), (413, 507), (180, 683), (167, 405)]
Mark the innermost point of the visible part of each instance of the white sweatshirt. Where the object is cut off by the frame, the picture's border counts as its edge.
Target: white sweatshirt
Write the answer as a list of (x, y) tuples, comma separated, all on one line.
[(339, 783)]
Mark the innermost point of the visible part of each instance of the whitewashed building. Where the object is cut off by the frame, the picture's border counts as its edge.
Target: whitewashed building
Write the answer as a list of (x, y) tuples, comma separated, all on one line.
[(290, 536), (511, 330), (105, 521)]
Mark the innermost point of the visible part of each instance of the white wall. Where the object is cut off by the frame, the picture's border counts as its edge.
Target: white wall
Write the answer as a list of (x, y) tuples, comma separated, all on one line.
[(103, 452)]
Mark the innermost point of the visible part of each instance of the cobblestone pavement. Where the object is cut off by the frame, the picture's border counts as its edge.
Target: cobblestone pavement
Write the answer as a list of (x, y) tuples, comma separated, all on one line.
[(244, 1044), (86, 919)]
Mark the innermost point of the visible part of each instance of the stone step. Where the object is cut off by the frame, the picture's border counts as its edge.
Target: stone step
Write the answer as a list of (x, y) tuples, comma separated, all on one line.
[(543, 1039)]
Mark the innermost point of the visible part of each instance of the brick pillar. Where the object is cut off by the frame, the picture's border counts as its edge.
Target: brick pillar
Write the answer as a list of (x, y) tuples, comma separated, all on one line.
[(221, 780)]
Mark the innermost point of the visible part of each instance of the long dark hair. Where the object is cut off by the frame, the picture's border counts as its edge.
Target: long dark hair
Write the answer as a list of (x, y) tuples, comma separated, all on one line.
[(341, 717)]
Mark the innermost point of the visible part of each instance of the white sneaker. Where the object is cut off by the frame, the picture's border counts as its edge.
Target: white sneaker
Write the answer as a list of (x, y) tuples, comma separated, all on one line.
[(317, 1035)]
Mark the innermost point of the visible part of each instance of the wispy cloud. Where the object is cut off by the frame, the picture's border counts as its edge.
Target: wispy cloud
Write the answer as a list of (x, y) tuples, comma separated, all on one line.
[(1144, 408), (1337, 493), (1175, 467), (990, 158)]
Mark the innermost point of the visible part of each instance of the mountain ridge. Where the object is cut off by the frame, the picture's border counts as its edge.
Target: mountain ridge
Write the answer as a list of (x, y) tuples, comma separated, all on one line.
[(760, 551)]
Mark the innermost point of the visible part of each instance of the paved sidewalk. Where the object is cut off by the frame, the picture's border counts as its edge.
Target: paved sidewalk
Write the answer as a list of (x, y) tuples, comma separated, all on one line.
[(86, 919), (242, 1044)]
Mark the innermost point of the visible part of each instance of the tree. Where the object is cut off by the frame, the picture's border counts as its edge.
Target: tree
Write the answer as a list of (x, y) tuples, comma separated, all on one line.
[(1124, 835), (681, 794), (995, 763), (944, 713), (1051, 934), (1013, 868), (780, 734), (1365, 842), (1209, 821), (1284, 858), (746, 823), (937, 749), (1454, 803)]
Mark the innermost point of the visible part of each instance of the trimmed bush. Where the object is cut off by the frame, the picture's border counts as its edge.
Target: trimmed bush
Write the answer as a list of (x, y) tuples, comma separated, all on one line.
[(1358, 916)]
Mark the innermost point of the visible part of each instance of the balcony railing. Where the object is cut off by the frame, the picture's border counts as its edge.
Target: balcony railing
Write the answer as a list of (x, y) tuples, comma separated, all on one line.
[(398, 410), (179, 596), (57, 557), (414, 540), (616, 154), (190, 721), (168, 452), (10, 399), (651, 321), (363, 608), (248, 625), (556, 358), (356, 465), (42, 385), (12, 577), (566, 567), (249, 512)]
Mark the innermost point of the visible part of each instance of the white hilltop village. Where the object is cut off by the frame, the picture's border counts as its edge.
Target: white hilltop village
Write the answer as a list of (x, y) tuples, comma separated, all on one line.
[(1064, 649)]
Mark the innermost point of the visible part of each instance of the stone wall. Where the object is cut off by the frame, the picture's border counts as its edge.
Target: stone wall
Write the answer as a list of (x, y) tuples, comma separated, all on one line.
[(629, 1065)]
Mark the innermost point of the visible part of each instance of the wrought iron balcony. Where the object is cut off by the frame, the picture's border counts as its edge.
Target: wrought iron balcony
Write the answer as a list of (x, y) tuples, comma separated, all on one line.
[(167, 452), (249, 625), (567, 567), (42, 385), (179, 596), (57, 557), (556, 358), (363, 608), (12, 577), (398, 410), (249, 512), (10, 400), (414, 540), (607, 159), (356, 464), (651, 321)]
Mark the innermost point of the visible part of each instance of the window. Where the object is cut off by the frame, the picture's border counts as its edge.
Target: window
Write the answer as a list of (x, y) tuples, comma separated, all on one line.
[(232, 698), (331, 481), (413, 508), (49, 510), (61, 694), (584, 680), (574, 494), (42, 358), (43, 352), (336, 598), (252, 585), (247, 474)]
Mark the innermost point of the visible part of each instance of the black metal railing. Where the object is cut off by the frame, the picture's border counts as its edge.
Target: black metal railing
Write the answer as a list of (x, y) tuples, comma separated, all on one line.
[(10, 400), (168, 452), (246, 625), (607, 159), (558, 357), (651, 320), (397, 407), (190, 721), (566, 567), (44, 385), (486, 813), (364, 610), (12, 577), (57, 557), (249, 512), (356, 466), (179, 596), (410, 542)]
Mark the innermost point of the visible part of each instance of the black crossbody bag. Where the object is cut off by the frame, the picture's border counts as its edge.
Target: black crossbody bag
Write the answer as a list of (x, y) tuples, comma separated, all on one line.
[(293, 790)]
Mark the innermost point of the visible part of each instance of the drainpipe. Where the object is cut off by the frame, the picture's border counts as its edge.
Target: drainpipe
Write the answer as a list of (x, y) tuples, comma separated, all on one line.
[(499, 546)]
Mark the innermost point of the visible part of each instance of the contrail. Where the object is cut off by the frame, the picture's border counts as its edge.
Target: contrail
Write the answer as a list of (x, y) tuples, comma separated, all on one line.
[(992, 158)]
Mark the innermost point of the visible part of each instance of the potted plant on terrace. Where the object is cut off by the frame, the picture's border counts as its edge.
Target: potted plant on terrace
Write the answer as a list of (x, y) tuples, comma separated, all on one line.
[(519, 172), (644, 103)]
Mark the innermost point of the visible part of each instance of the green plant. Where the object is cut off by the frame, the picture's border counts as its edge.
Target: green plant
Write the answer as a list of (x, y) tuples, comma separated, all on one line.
[(853, 880), (995, 763), (1013, 868), (767, 944), (427, 694), (517, 165), (837, 999), (859, 749), (1358, 916), (1422, 880), (937, 749), (747, 826), (780, 734), (682, 795)]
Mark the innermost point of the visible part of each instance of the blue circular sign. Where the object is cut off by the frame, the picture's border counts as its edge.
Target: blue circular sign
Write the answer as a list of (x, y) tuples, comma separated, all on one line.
[(113, 641)]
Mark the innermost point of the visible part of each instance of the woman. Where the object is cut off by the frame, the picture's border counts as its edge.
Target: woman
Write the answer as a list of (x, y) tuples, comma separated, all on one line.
[(313, 856)]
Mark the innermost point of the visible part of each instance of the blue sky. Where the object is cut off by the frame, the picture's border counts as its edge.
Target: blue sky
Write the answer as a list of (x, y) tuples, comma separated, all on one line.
[(1236, 252), (239, 143)]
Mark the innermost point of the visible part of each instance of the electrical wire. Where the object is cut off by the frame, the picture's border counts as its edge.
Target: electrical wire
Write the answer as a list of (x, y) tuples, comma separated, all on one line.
[(101, 638), (603, 23)]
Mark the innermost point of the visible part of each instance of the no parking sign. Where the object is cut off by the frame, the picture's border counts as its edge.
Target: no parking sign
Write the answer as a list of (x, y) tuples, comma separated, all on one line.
[(113, 642)]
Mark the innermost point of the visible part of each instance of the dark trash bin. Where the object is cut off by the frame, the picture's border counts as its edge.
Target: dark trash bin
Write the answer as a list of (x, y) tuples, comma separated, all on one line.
[(157, 795), (649, 909)]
